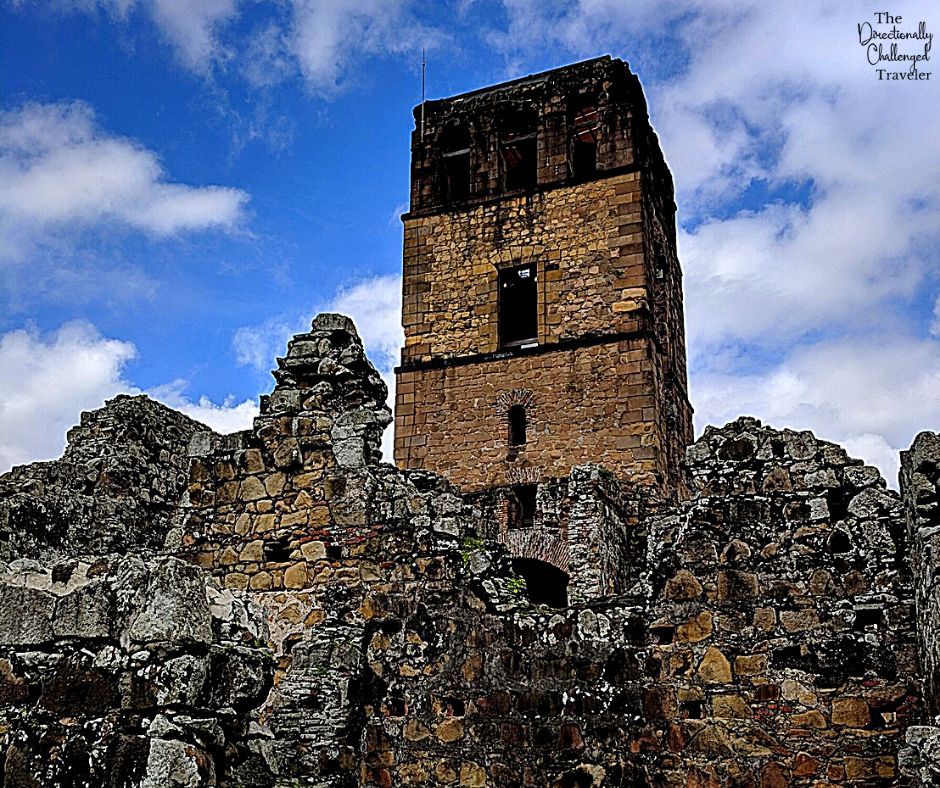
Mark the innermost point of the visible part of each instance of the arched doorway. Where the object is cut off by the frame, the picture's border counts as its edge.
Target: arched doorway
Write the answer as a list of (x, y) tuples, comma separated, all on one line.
[(545, 584)]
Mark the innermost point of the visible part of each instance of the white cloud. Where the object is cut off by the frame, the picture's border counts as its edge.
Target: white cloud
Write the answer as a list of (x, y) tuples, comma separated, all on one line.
[(59, 171), (46, 381), (327, 35), (321, 40), (225, 417), (193, 27)]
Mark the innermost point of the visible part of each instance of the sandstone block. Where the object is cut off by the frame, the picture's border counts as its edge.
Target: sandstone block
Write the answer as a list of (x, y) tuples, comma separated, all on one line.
[(714, 667)]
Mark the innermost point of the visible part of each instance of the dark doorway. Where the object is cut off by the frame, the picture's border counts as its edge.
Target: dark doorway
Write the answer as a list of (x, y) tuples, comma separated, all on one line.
[(545, 584), (518, 305)]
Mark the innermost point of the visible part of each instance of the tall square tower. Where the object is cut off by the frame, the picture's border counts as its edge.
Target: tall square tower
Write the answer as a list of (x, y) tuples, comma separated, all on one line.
[(542, 295)]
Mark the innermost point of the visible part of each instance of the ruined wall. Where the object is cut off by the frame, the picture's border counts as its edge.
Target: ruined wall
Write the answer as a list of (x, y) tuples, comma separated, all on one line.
[(782, 630), (920, 488), (353, 624), (123, 672), (397, 629), (116, 487), (587, 524), (552, 97)]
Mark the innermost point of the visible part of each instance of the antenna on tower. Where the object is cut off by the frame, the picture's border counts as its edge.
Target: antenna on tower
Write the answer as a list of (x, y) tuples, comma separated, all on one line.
[(423, 65)]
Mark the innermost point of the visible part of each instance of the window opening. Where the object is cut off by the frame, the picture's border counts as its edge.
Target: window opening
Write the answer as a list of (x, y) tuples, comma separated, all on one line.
[(522, 501), (517, 425), (518, 142), (584, 143), (455, 164), (518, 306)]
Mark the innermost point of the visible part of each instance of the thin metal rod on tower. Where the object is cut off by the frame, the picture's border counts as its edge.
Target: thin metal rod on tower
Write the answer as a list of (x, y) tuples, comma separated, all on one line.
[(423, 64)]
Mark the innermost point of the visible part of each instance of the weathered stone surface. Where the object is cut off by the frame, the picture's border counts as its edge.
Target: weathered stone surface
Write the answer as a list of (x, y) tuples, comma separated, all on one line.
[(800, 591), (76, 691), (85, 612), (175, 608), (714, 667), (851, 712), (116, 488), (25, 615)]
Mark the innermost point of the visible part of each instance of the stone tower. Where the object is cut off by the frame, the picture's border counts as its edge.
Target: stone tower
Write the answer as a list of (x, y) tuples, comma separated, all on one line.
[(542, 301)]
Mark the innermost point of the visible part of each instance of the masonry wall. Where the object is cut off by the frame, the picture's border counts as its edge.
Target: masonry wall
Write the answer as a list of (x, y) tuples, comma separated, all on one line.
[(585, 239), (920, 486), (115, 488), (586, 524), (581, 404), (353, 624), (551, 97), (782, 632), (406, 651), (120, 671)]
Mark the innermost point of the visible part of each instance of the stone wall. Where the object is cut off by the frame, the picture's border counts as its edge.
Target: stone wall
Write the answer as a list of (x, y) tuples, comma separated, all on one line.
[(920, 487), (124, 672), (551, 100), (586, 241), (340, 622), (782, 643), (116, 487), (587, 524), (582, 404), (396, 627)]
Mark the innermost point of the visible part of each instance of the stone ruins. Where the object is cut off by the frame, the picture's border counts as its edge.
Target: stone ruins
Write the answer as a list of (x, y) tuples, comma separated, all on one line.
[(554, 587)]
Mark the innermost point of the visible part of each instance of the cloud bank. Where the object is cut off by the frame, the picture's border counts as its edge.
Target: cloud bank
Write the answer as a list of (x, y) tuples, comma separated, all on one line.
[(46, 381), (60, 171)]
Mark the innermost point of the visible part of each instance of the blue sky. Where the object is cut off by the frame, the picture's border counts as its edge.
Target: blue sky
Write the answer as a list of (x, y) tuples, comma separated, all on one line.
[(184, 184)]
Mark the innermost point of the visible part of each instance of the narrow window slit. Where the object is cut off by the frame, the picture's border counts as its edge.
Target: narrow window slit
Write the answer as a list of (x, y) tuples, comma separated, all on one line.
[(517, 425)]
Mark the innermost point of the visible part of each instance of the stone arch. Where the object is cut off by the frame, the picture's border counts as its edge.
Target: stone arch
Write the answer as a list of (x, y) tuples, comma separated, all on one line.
[(523, 397)]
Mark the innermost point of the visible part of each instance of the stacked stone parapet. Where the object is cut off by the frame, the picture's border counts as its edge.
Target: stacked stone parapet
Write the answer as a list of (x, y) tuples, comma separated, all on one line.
[(116, 487), (781, 642)]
